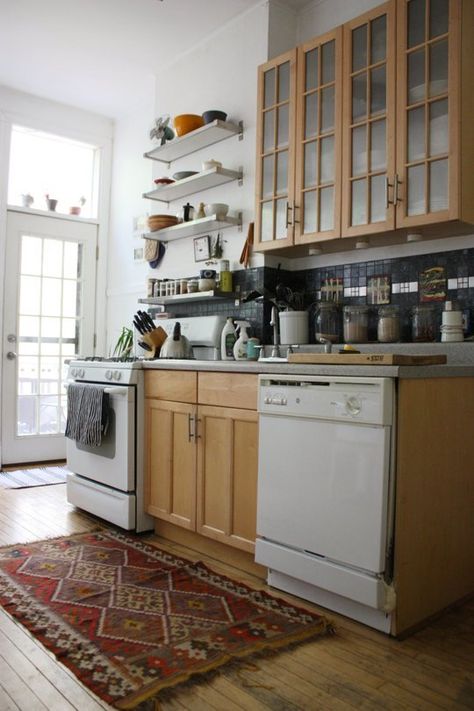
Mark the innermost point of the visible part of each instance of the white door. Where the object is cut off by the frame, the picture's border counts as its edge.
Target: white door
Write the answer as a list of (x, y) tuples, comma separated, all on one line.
[(49, 296)]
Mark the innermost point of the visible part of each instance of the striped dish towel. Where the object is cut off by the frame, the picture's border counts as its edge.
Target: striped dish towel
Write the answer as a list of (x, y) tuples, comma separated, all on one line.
[(87, 413)]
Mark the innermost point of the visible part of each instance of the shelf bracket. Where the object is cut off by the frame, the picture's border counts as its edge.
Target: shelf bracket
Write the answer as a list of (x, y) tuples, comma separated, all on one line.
[(241, 130), (240, 181), (239, 224)]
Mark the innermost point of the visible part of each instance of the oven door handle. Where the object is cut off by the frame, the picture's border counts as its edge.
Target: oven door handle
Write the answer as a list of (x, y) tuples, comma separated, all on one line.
[(109, 391)]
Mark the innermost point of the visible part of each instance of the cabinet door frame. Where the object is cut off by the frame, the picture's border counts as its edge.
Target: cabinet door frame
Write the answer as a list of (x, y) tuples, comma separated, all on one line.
[(260, 245), (227, 534), (187, 447), (319, 236), (347, 229), (454, 120)]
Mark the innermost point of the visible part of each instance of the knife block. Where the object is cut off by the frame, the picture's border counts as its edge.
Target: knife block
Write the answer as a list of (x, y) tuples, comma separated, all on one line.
[(155, 340)]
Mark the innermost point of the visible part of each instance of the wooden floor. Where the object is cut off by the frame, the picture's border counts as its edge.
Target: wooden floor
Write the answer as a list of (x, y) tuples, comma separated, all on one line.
[(355, 668)]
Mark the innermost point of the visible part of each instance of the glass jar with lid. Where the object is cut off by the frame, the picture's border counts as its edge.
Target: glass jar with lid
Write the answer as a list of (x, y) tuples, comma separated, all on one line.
[(327, 322), (356, 321), (388, 324), (423, 323)]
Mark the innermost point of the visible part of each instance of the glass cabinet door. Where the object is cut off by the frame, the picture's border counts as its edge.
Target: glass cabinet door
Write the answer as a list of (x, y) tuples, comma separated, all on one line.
[(318, 139), (427, 109), (275, 152), (368, 123)]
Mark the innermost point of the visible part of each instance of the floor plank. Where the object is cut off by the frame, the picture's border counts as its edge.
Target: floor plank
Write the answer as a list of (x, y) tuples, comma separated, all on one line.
[(356, 668)]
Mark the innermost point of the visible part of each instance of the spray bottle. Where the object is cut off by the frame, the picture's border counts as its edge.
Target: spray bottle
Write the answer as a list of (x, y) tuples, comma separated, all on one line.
[(228, 338), (240, 346)]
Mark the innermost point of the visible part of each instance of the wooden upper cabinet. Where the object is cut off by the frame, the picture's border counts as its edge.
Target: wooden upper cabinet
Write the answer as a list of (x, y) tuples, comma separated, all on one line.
[(434, 111), (318, 139), (368, 166), (275, 168)]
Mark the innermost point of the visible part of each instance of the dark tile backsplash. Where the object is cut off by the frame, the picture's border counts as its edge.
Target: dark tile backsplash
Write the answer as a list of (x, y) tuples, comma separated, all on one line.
[(402, 272)]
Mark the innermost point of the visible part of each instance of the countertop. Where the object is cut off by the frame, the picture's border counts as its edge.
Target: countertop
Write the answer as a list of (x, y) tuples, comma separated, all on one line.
[(460, 362)]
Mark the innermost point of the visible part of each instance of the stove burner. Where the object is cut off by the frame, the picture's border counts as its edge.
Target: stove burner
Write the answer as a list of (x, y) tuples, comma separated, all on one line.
[(112, 359)]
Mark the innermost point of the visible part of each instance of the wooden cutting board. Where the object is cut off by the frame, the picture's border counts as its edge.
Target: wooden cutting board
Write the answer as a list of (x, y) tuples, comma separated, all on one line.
[(365, 359)]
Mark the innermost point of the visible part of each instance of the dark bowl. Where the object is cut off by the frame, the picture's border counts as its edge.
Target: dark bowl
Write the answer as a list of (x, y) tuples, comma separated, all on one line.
[(210, 116), (182, 174)]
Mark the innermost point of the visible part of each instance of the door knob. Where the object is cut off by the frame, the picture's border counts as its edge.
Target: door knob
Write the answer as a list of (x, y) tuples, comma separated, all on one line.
[(11, 355)]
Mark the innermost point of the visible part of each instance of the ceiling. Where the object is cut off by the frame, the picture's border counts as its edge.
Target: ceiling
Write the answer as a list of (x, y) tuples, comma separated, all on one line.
[(101, 55)]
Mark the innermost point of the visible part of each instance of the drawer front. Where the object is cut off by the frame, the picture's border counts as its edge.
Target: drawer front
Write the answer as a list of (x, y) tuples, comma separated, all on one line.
[(228, 390), (174, 385)]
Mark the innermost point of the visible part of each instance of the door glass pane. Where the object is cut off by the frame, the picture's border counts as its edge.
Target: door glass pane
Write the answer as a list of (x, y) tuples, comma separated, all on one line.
[(311, 115), (416, 76), (267, 221), (327, 109), (281, 228), (359, 48), (439, 134), (416, 190), (327, 159), (269, 88), (267, 188), (438, 185), (378, 145), (359, 97), (438, 68), (416, 134), (282, 172), (377, 198), (359, 150), (311, 60), (310, 164), (31, 248), (44, 302), (359, 202), (328, 67), (378, 32), (268, 130), (439, 15), (416, 22), (283, 113), (327, 209), (310, 213), (378, 89), (284, 82)]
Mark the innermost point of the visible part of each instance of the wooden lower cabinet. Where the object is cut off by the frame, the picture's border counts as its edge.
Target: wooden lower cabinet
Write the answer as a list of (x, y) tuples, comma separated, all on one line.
[(202, 459)]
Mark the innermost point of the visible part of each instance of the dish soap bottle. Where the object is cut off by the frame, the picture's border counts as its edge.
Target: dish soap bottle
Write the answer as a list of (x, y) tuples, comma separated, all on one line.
[(240, 346), (228, 339)]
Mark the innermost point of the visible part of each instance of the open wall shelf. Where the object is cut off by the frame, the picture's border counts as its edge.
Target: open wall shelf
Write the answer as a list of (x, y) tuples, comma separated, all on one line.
[(195, 140), (196, 183)]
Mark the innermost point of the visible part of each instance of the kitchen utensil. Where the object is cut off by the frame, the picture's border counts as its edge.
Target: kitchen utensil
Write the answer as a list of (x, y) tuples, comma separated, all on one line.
[(185, 123), (245, 256), (144, 345), (219, 209), (155, 339), (182, 174), (158, 222), (212, 115), (147, 320), (161, 253), (176, 346), (207, 284)]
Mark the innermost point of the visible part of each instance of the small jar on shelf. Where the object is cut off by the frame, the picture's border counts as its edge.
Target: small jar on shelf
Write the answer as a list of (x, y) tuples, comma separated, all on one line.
[(356, 321), (388, 324)]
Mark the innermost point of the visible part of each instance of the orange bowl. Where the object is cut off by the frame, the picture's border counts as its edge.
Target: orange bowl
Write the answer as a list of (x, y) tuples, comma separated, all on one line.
[(185, 123)]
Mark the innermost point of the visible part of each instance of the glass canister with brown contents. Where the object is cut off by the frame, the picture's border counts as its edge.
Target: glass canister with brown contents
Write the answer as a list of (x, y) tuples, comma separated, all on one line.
[(388, 324), (423, 323), (356, 322)]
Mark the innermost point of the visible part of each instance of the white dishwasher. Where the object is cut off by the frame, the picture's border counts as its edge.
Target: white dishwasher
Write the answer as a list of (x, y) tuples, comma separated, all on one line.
[(325, 491)]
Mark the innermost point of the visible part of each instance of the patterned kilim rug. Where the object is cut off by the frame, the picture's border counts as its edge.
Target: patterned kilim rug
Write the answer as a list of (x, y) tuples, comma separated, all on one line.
[(130, 619), (39, 476)]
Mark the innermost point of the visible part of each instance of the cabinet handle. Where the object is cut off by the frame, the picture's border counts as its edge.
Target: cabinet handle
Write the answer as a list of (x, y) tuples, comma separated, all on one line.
[(288, 208), (191, 425), (397, 182), (294, 208), (197, 420), (388, 185)]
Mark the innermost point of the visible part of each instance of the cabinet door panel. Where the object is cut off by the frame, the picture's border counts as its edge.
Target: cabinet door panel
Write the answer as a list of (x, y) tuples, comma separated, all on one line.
[(171, 462), (227, 475), (318, 140), (275, 152), (428, 111), (368, 122)]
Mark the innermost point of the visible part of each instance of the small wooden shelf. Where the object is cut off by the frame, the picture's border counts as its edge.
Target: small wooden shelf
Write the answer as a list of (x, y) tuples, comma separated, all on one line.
[(186, 298), (195, 140), (194, 228), (195, 183)]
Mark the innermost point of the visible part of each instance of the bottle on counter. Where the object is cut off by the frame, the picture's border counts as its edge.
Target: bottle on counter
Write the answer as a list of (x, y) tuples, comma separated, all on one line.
[(240, 346), (228, 339)]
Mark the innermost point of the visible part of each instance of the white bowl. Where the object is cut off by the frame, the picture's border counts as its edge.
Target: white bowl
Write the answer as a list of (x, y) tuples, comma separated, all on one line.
[(220, 209), (208, 164)]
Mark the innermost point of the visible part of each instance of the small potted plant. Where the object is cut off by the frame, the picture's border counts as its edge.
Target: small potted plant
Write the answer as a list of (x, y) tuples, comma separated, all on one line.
[(76, 209), (124, 346)]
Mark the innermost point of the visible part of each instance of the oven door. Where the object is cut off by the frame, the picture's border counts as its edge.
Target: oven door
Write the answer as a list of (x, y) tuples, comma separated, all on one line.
[(113, 462)]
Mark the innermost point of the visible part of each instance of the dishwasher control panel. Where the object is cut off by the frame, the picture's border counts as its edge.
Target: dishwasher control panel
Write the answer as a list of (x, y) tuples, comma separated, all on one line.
[(365, 400)]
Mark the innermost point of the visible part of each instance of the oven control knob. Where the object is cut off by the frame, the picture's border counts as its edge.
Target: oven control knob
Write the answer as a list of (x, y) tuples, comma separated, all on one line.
[(108, 374), (353, 405), (81, 372), (267, 400), (73, 372), (116, 375)]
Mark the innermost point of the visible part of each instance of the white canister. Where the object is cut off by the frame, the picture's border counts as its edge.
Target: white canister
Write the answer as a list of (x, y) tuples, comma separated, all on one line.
[(293, 327)]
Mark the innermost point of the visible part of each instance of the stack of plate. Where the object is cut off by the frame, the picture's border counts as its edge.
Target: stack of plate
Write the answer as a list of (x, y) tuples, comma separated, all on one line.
[(159, 222)]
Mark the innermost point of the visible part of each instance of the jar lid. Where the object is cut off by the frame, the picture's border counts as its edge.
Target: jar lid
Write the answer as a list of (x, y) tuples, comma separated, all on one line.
[(327, 305), (388, 309), (356, 308)]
